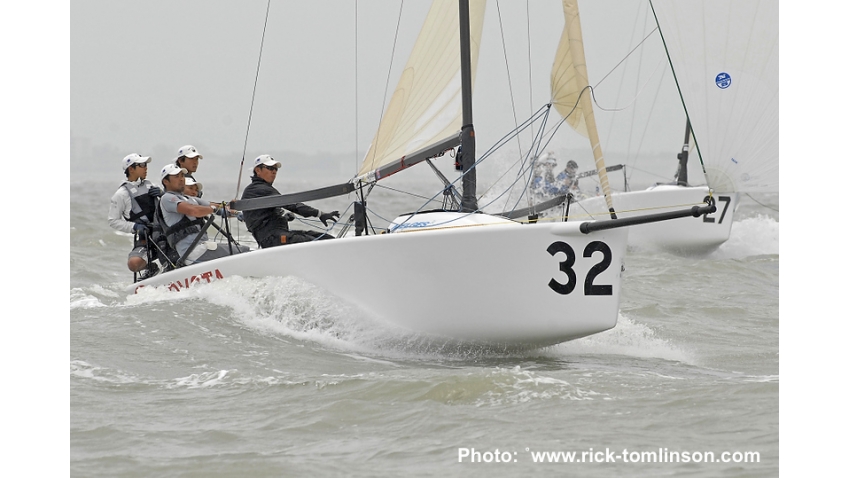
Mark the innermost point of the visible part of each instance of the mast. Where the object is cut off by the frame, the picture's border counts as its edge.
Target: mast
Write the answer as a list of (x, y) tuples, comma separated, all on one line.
[(469, 201), (682, 175)]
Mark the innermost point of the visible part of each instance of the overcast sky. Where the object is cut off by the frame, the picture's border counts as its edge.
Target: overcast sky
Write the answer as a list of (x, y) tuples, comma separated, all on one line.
[(151, 76)]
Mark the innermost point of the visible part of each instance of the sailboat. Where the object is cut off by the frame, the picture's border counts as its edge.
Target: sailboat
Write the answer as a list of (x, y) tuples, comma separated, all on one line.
[(724, 58), (456, 274)]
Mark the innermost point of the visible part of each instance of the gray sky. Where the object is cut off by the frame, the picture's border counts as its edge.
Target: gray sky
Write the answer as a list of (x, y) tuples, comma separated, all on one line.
[(151, 76)]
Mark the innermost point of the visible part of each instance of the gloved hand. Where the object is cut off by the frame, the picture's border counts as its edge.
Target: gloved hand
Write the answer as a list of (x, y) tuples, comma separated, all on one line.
[(240, 216), (141, 228), (221, 211), (289, 216), (324, 217), (154, 191)]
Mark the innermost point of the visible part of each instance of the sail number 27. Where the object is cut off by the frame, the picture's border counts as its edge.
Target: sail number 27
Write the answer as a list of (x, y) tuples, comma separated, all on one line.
[(566, 266), (724, 199)]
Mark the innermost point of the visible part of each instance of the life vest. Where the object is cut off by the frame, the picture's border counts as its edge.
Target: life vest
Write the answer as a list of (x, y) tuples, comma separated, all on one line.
[(143, 206), (181, 229)]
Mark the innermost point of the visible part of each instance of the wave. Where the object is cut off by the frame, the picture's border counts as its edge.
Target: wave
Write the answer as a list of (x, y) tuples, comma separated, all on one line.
[(751, 237), (628, 338), (293, 308)]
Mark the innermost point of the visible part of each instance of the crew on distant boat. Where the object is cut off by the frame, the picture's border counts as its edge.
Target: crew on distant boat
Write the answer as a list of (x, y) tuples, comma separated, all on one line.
[(132, 207), (188, 158), (270, 226), (567, 179), (543, 178), (183, 216)]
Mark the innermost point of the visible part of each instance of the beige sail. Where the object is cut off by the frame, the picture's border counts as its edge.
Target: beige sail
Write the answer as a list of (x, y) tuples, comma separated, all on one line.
[(426, 105), (570, 94)]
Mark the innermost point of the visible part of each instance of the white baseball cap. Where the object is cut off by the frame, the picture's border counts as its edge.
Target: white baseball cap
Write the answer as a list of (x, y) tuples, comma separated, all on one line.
[(171, 169), (548, 158), (267, 160), (134, 158), (189, 151), (190, 181)]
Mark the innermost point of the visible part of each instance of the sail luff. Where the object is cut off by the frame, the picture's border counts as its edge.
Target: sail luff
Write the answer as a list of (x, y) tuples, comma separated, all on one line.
[(425, 107), (571, 93)]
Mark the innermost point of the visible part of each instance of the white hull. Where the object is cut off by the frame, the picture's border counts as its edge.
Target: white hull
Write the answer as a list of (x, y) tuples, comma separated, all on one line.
[(685, 235), (470, 279)]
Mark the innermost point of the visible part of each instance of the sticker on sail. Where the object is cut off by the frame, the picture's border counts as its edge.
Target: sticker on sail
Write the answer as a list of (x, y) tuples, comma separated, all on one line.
[(723, 80)]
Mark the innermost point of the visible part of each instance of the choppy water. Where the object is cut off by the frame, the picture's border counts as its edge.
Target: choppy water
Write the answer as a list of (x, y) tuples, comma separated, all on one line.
[(276, 377)]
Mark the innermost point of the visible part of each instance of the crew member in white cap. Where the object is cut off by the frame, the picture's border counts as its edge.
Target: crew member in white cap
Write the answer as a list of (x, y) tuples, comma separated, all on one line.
[(132, 207), (188, 158), (183, 219), (192, 187), (270, 226)]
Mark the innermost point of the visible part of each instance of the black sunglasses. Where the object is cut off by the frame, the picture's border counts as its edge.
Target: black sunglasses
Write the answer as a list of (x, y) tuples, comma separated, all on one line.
[(140, 165), (271, 168)]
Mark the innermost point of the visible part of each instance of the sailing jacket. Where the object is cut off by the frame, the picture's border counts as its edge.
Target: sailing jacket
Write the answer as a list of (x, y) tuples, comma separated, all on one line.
[(180, 229), (566, 181), (263, 223), (130, 205)]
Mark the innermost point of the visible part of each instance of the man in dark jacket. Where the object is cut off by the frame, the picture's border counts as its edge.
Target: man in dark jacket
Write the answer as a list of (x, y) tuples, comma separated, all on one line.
[(270, 226)]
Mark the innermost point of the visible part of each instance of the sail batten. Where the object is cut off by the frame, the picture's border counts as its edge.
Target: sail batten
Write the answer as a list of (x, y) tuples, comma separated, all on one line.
[(425, 108)]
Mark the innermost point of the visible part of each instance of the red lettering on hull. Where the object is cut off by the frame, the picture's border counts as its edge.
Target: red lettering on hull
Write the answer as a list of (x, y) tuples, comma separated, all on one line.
[(178, 285)]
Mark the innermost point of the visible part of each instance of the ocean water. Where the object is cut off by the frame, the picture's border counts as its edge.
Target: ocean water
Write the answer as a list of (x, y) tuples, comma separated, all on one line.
[(276, 377)]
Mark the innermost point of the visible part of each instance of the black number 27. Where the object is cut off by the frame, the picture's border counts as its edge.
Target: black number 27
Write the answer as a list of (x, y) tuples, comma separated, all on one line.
[(566, 266)]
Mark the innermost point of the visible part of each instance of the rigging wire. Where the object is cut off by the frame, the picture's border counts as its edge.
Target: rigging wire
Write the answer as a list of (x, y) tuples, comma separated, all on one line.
[(389, 71), (508, 71), (528, 37), (627, 56), (762, 204), (356, 89), (253, 94), (510, 84)]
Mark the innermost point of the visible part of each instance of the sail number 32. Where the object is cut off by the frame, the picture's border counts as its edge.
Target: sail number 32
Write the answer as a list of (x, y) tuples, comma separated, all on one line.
[(566, 266)]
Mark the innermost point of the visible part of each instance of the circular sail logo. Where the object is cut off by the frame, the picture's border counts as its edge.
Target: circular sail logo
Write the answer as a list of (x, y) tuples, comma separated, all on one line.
[(723, 80)]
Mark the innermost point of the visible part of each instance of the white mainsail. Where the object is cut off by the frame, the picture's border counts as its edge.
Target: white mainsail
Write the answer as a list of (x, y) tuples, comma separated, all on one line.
[(570, 92), (725, 58), (426, 105)]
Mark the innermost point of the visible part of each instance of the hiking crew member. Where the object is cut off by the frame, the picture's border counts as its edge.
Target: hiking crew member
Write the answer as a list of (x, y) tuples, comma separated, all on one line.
[(132, 207), (184, 216), (192, 187), (270, 226), (188, 158)]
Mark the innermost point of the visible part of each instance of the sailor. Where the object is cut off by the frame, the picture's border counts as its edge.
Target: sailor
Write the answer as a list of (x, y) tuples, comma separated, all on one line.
[(543, 178), (270, 226), (132, 207), (184, 216), (567, 180), (188, 158), (192, 187)]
